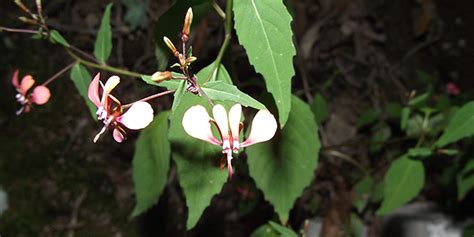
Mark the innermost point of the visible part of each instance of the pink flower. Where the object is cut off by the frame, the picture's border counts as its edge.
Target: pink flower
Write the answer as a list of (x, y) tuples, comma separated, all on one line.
[(453, 89), (111, 112), (197, 123), (39, 96)]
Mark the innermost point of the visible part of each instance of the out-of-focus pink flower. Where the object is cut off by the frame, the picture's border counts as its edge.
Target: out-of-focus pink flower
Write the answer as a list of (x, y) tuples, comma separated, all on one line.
[(453, 89), (112, 113), (197, 123), (39, 96)]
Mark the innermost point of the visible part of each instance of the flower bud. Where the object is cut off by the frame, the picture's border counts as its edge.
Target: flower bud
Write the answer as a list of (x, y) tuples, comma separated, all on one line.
[(38, 6), (187, 22), (161, 76), (21, 5), (170, 45), (26, 20)]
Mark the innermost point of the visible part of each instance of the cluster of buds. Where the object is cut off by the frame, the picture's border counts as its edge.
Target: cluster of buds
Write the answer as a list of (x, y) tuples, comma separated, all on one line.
[(40, 94), (34, 18), (185, 58), (111, 112)]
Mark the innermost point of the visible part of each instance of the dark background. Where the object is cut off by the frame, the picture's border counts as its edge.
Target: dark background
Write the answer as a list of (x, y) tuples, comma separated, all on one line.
[(59, 183)]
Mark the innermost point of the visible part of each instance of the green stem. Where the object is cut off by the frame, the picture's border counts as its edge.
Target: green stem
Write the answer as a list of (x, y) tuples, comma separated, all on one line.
[(225, 44), (103, 67), (218, 10)]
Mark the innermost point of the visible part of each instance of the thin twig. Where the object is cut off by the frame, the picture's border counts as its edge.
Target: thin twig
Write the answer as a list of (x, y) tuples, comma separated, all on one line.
[(151, 97), (75, 211), (20, 30), (58, 74)]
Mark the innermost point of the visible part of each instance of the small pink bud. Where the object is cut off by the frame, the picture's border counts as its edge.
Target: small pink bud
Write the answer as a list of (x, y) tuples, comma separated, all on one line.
[(453, 89), (40, 95)]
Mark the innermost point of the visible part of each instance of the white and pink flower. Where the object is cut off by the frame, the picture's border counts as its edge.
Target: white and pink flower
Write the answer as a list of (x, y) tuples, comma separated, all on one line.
[(111, 112), (39, 96), (197, 123)]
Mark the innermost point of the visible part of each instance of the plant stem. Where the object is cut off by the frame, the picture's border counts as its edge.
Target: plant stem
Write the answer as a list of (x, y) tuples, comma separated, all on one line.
[(103, 67), (151, 97), (58, 74), (19, 30), (225, 44), (218, 10)]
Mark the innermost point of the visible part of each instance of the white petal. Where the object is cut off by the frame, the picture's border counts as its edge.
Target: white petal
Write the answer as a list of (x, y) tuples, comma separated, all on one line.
[(234, 122), (220, 116), (263, 129), (138, 116), (111, 83), (196, 123)]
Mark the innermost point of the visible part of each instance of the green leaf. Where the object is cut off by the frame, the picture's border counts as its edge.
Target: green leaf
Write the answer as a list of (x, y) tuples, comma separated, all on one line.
[(59, 39), (282, 230), (404, 118), (449, 152), (171, 22), (403, 181), (419, 99), (293, 155), (415, 126), (264, 29), (222, 74), (265, 231), (178, 94), (368, 117), (465, 180), (197, 162), (272, 229), (460, 126), (151, 162), (136, 13), (420, 152), (393, 110), (218, 90), (103, 42), (81, 78), (363, 189), (319, 108), (381, 132)]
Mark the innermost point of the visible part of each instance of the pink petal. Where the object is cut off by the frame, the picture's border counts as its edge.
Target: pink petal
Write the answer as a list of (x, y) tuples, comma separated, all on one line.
[(118, 136), (138, 116), (40, 95), (220, 116), (263, 129), (196, 123), (93, 91), (15, 82), (234, 121), (26, 83)]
